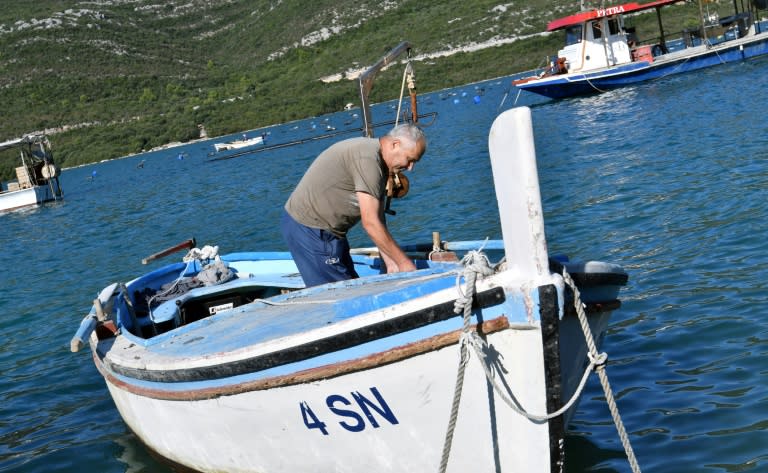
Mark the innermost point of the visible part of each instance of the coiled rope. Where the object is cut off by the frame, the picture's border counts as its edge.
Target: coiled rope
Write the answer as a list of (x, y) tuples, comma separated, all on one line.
[(200, 255), (476, 264)]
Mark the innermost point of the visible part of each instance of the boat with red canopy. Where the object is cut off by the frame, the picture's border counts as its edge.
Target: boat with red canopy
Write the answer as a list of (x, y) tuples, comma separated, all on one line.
[(603, 51)]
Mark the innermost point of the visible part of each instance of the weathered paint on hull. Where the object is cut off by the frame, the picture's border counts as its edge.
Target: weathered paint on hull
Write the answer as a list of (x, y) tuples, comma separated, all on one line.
[(391, 418)]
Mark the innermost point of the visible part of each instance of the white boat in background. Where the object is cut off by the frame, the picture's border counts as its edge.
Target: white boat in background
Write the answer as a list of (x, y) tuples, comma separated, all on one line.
[(37, 177), (237, 144), (603, 51), (228, 363)]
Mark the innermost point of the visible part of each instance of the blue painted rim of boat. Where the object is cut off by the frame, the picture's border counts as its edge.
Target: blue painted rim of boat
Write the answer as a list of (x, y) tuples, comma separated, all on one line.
[(294, 354)]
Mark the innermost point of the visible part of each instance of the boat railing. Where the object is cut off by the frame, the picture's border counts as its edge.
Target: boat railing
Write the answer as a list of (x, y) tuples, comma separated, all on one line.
[(727, 29)]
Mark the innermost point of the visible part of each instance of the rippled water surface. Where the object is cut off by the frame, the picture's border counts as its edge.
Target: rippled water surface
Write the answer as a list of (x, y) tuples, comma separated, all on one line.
[(668, 178)]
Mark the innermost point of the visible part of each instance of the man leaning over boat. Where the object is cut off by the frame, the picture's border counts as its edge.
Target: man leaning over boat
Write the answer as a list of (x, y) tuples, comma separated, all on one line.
[(346, 184)]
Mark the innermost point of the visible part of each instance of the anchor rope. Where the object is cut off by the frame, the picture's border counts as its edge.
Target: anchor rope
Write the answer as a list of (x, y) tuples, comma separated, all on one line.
[(477, 264), (597, 89), (674, 70), (601, 373)]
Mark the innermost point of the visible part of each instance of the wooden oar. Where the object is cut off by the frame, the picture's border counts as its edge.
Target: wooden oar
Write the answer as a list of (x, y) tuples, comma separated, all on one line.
[(186, 244)]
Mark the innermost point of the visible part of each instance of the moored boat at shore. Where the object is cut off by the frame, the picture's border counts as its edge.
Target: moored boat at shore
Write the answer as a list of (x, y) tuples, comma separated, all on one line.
[(603, 51), (37, 177)]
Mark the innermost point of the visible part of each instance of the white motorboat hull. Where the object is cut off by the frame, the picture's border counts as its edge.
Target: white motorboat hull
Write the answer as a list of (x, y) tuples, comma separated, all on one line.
[(29, 197), (238, 144)]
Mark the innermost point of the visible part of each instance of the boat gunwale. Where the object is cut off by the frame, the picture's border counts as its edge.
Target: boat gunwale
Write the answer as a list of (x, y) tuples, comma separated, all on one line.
[(294, 349), (328, 371)]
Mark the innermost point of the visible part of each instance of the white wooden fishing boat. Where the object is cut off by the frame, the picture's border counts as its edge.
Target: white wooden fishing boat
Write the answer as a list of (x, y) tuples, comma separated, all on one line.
[(255, 373), (603, 51), (237, 144), (37, 176)]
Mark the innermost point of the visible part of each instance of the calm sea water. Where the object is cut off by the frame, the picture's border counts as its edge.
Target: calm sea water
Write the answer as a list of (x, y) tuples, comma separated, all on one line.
[(668, 178)]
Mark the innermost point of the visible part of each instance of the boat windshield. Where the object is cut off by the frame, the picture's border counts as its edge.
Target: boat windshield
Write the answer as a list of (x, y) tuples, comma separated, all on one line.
[(613, 26), (573, 35), (597, 30)]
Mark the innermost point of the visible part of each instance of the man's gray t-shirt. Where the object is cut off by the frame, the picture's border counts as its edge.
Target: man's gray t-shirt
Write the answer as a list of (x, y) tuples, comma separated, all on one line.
[(326, 198)]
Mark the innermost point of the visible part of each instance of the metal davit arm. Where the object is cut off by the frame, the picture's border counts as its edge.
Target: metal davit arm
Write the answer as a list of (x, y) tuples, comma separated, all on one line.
[(366, 84)]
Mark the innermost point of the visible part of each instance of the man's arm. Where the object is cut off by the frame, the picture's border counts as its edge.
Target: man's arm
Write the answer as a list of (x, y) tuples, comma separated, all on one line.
[(370, 215)]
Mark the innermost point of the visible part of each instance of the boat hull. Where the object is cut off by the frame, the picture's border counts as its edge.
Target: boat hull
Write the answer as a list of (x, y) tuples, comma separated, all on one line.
[(238, 144), (391, 417), (30, 197)]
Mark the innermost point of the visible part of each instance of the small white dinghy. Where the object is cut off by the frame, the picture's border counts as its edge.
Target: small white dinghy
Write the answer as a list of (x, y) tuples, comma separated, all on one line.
[(255, 373), (237, 144)]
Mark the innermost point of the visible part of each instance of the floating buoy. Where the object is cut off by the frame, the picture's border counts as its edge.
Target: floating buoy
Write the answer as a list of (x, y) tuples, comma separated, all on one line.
[(476, 99), (455, 100)]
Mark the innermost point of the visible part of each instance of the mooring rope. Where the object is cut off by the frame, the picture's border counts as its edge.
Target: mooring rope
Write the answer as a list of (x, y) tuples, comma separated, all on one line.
[(477, 264), (601, 373), (597, 89)]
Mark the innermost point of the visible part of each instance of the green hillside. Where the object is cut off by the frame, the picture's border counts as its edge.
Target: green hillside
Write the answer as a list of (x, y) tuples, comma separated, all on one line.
[(113, 77)]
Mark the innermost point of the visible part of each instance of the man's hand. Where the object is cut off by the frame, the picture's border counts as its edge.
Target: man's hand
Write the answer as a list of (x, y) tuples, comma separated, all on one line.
[(370, 215)]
